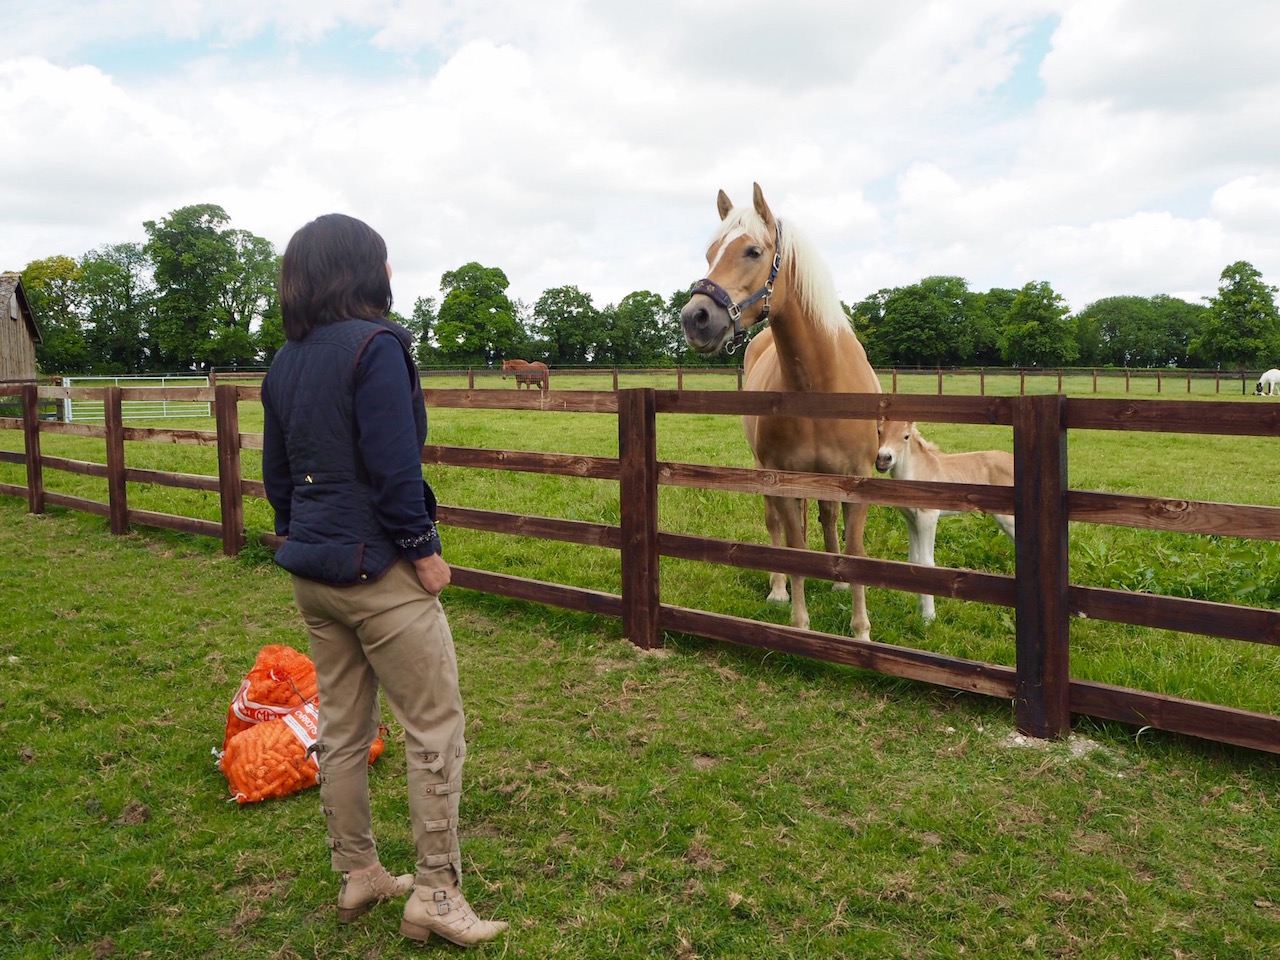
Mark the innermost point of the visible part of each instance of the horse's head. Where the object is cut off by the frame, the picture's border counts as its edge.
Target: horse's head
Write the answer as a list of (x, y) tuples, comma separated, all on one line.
[(895, 445), (744, 260)]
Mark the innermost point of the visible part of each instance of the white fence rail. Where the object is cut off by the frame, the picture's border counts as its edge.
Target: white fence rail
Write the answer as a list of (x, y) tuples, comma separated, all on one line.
[(87, 410)]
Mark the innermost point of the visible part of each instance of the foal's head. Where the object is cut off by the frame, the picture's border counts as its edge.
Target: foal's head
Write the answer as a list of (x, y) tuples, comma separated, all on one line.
[(895, 445)]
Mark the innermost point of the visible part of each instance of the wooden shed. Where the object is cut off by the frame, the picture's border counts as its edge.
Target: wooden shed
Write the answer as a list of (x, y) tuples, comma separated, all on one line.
[(18, 331)]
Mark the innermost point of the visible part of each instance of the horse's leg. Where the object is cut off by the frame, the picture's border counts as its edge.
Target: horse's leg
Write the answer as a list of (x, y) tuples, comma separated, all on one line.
[(1006, 523), (793, 514), (828, 514), (923, 529), (773, 522), (855, 527)]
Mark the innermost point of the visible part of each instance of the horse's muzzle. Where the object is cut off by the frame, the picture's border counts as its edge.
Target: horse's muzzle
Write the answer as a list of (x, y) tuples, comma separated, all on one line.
[(706, 324)]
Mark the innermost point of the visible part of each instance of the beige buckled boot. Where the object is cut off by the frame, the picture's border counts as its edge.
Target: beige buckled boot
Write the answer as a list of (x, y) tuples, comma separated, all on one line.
[(444, 911), (360, 893)]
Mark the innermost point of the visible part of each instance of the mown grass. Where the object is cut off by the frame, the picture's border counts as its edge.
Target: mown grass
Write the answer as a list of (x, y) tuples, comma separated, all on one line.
[(706, 801)]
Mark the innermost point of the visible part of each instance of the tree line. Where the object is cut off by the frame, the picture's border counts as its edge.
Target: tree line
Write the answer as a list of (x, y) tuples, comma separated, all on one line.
[(200, 293)]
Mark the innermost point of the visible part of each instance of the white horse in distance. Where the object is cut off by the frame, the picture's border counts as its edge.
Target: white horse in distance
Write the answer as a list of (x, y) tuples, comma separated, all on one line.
[(905, 455), (1269, 384)]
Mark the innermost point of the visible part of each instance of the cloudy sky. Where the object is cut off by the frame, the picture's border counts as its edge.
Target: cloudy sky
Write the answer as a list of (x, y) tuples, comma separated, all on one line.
[(1105, 146)]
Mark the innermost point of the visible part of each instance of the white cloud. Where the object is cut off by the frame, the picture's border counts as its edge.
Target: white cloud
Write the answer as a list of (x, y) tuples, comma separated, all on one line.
[(582, 142)]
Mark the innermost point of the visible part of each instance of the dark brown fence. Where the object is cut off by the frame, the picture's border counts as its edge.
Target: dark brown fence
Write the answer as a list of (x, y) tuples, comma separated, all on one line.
[(1040, 593)]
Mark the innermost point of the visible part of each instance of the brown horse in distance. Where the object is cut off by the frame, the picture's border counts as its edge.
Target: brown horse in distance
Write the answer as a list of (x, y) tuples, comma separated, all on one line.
[(762, 268), (527, 374)]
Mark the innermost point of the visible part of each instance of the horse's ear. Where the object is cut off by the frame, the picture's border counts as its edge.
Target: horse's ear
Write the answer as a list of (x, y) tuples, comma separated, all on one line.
[(762, 208), (724, 204)]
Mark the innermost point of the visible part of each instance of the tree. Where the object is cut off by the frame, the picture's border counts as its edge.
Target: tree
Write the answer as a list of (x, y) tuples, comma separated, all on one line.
[(1241, 328), (53, 293), (477, 323), (1133, 331), (249, 295), (118, 297), (927, 322), (990, 312), (421, 323), (192, 258), (1037, 330), (867, 317), (633, 331), (569, 323)]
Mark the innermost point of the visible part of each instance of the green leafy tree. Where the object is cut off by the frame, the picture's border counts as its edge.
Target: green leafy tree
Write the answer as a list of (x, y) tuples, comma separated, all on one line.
[(990, 312), (569, 324), (927, 322), (421, 323), (477, 323), (1242, 328), (192, 258), (1038, 330), (52, 286), (633, 332), (118, 298), (1129, 331), (867, 317), (249, 295)]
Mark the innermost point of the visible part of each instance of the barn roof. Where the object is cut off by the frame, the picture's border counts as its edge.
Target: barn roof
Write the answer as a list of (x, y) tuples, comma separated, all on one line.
[(10, 284)]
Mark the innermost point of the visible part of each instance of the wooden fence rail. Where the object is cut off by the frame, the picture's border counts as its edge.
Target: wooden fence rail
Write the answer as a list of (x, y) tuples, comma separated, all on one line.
[(1039, 592)]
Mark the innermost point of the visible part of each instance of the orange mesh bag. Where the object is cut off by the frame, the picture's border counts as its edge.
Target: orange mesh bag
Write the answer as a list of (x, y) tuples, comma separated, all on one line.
[(274, 758), (280, 680)]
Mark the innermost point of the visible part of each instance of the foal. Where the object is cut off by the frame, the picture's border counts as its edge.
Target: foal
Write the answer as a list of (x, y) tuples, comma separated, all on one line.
[(905, 455)]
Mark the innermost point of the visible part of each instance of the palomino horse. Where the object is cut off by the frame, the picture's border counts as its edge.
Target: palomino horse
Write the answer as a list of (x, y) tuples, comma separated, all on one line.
[(905, 455), (527, 374), (763, 269)]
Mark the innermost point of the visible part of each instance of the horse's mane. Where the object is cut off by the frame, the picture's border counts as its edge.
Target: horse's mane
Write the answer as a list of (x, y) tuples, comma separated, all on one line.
[(812, 285), (928, 445)]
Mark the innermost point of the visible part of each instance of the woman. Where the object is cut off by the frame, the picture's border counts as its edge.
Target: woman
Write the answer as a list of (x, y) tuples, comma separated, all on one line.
[(341, 461)]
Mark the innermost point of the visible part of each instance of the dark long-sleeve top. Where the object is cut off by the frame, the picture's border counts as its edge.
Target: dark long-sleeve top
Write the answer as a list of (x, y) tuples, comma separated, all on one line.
[(387, 443)]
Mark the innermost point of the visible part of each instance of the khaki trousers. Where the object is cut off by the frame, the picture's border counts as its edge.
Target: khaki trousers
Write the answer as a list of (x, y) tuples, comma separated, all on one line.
[(390, 633)]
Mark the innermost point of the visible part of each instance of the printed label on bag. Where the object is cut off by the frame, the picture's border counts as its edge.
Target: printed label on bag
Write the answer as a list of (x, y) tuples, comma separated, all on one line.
[(304, 721)]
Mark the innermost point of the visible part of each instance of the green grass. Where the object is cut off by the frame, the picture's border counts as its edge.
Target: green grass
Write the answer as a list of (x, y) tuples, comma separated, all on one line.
[(1207, 467), (706, 801)]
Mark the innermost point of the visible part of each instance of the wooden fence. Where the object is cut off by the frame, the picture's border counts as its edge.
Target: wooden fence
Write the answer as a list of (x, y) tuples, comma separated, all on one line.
[(1161, 377), (1041, 501)]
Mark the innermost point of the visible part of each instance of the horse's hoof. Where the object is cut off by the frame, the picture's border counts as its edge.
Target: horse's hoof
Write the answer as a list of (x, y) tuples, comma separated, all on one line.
[(840, 586), (782, 597)]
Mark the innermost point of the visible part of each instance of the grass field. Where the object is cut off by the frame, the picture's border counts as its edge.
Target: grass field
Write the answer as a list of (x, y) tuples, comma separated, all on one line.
[(706, 801)]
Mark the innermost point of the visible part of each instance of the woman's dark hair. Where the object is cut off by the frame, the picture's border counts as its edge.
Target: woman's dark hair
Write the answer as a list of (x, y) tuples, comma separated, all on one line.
[(335, 268)]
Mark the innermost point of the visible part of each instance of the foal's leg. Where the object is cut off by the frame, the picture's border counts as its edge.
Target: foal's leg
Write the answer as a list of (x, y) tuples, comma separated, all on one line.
[(922, 527), (828, 514), (855, 527)]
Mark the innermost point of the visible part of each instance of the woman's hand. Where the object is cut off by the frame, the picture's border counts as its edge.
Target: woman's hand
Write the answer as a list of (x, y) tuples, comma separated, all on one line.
[(433, 573)]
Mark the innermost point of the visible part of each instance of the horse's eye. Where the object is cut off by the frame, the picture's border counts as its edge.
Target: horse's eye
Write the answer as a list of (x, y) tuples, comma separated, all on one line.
[(755, 253)]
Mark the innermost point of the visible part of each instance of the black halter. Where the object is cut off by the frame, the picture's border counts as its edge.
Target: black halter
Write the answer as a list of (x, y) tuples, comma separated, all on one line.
[(721, 296)]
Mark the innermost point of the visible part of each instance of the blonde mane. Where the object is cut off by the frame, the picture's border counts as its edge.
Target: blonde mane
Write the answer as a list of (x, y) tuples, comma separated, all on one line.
[(928, 445), (811, 282)]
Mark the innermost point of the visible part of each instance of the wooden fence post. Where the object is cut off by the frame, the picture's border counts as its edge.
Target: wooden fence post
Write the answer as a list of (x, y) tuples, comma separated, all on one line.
[(615, 379), (471, 378), (638, 493), (1126, 381), (1159, 382), (679, 379), (939, 381), (1022, 383), (117, 488), (895, 379), (1042, 691), (1059, 381), (982, 382), (31, 438), (230, 487), (1095, 381), (739, 378)]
